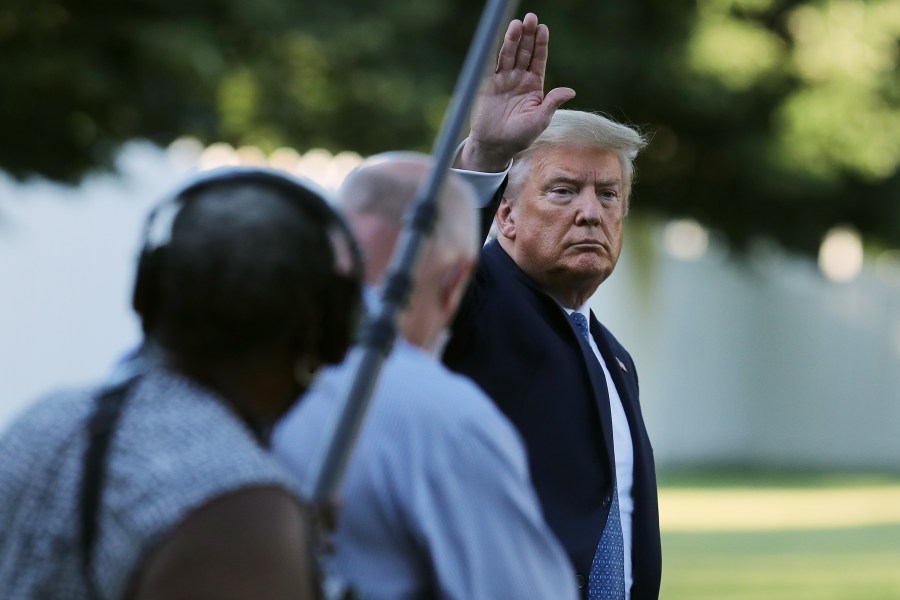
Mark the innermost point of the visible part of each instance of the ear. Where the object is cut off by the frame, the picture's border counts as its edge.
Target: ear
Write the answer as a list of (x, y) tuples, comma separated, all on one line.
[(506, 219), (454, 284)]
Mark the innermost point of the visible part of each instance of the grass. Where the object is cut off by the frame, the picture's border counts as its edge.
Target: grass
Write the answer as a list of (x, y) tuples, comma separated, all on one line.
[(773, 536)]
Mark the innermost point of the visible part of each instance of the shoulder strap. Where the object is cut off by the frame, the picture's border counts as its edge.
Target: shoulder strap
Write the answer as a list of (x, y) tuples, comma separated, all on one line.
[(107, 409)]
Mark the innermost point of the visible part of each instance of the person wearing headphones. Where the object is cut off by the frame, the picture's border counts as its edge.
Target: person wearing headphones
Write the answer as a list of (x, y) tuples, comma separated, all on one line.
[(159, 484)]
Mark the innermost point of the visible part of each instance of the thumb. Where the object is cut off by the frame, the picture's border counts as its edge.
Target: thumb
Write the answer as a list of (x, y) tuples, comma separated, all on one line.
[(554, 99)]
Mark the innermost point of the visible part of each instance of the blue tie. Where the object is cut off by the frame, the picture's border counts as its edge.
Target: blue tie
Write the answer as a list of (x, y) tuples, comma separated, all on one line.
[(582, 325), (607, 580)]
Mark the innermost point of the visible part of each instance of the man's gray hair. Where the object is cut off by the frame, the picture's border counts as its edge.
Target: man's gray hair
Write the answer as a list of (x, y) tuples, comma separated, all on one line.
[(384, 185), (575, 127)]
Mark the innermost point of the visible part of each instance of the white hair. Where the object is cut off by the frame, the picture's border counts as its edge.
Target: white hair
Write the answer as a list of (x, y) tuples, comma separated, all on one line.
[(580, 128)]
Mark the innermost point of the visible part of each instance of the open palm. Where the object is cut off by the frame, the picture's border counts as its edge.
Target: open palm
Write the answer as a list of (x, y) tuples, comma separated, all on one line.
[(511, 109)]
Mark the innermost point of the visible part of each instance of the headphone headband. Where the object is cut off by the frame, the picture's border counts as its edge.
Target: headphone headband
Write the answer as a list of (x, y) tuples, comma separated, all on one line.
[(343, 290)]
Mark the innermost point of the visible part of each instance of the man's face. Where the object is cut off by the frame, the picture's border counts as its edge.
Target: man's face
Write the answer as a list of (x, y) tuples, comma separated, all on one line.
[(564, 225)]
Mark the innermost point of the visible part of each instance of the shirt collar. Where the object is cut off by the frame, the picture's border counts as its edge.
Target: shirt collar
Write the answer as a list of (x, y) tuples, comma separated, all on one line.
[(584, 309)]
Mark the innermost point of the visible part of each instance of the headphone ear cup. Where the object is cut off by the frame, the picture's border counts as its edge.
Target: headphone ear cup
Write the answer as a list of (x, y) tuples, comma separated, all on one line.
[(146, 297), (341, 314), (343, 306), (341, 303)]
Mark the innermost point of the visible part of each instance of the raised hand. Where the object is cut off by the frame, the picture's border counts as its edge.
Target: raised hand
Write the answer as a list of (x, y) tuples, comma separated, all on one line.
[(511, 109)]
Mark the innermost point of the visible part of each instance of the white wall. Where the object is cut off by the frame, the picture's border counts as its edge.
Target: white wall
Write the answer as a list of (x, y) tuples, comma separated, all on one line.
[(67, 258), (762, 362)]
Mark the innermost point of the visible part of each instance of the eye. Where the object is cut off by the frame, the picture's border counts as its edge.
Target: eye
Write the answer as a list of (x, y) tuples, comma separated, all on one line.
[(561, 190), (609, 195)]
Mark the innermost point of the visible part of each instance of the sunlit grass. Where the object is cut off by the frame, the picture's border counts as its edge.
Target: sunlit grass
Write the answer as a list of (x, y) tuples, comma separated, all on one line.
[(780, 536), (778, 509)]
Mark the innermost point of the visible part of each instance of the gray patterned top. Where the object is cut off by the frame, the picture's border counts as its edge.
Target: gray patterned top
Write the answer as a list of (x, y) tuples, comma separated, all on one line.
[(177, 446)]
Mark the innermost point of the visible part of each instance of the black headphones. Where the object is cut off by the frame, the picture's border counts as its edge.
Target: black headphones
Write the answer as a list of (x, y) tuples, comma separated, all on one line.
[(343, 293)]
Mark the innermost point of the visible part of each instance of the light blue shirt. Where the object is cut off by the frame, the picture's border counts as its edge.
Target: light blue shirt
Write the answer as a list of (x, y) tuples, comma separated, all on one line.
[(437, 500)]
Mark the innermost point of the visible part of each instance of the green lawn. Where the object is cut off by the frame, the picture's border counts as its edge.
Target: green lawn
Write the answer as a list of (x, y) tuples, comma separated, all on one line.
[(816, 562)]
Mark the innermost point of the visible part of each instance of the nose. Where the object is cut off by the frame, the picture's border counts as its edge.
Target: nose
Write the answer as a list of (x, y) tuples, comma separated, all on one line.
[(587, 209)]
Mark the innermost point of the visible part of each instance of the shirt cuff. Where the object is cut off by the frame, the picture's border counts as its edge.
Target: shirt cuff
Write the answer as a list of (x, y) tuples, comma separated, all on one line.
[(485, 184)]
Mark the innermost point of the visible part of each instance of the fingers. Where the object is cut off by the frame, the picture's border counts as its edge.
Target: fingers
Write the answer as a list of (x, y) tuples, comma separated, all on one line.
[(527, 42), (523, 41), (541, 51), (507, 59)]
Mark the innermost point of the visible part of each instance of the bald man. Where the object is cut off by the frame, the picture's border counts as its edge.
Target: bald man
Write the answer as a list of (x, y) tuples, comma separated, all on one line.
[(437, 500)]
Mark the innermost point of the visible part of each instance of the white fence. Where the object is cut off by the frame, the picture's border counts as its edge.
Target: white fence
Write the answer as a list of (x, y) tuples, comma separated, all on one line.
[(762, 362)]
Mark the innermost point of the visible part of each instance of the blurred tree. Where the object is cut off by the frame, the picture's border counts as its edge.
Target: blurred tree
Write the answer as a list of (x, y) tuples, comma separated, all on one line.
[(81, 77), (766, 117), (778, 118)]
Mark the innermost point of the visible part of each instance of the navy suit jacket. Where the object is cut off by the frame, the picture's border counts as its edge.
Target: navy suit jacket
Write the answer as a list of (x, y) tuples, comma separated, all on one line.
[(519, 345)]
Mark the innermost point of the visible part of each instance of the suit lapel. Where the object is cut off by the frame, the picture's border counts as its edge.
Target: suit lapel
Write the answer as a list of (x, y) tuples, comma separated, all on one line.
[(495, 254), (623, 380), (598, 384), (645, 533)]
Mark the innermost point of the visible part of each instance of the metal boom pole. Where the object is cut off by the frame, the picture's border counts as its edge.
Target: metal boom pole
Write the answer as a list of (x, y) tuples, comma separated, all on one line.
[(379, 331)]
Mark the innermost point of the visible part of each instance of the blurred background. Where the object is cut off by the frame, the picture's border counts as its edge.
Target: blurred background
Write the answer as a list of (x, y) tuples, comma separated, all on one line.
[(759, 290)]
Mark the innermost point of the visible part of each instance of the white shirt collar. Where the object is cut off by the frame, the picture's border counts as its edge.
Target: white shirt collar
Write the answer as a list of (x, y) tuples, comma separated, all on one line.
[(584, 309)]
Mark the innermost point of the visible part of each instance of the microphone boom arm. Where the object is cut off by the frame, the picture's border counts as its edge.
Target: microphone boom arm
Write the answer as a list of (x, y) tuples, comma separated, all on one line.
[(379, 331)]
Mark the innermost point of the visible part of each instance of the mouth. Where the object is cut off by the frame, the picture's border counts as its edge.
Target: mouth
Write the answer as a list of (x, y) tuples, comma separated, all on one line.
[(587, 245)]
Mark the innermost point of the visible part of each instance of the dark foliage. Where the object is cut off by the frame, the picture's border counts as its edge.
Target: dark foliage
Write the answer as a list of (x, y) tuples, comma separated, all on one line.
[(761, 121)]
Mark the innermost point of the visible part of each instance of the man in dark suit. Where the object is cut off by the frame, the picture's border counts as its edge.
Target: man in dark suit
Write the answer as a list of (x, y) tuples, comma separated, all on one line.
[(526, 333)]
